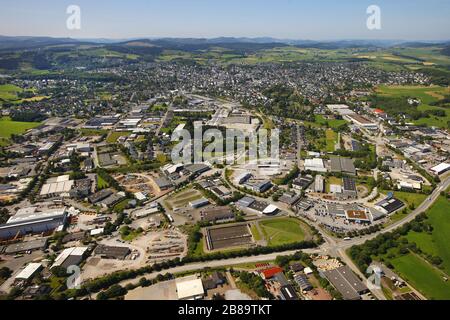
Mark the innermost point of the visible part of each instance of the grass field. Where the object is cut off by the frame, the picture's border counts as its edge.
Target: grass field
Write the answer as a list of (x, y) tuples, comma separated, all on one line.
[(113, 136), (283, 230), (422, 276), (332, 139), (438, 242), (8, 92), (407, 198), (334, 124), (255, 232), (9, 127)]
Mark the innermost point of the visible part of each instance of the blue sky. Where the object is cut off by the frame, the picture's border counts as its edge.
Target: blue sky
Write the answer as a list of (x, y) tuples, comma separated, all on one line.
[(294, 19)]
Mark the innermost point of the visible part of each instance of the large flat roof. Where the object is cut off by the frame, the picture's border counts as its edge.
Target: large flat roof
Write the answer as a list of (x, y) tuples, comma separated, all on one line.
[(189, 288)]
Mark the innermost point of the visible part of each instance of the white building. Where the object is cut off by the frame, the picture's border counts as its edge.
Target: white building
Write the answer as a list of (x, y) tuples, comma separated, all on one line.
[(190, 288)]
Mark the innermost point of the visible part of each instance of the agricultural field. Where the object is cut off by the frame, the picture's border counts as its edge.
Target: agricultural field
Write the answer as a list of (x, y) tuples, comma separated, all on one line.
[(281, 231), (9, 127), (8, 92)]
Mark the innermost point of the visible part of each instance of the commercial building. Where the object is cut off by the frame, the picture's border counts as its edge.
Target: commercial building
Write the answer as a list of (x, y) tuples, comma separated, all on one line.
[(29, 272), (288, 293), (346, 282), (59, 187), (389, 205), (32, 221), (440, 169), (70, 257), (218, 215), (199, 203), (343, 165), (315, 165), (319, 184), (362, 121), (243, 177), (190, 288), (302, 183), (108, 252)]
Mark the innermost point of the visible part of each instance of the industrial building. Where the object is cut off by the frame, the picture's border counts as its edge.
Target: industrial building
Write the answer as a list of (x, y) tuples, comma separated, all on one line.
[(190, 288), (58, 187), (28, 273), (319, 184), (343, 165), (70, 257), (346, 282), (199, 203), (389, 205), (32, 221), (218, 215), (108, 252), (315, 165)]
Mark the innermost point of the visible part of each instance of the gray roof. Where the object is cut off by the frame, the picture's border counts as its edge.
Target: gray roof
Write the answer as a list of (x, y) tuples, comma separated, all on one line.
[(346, 282)]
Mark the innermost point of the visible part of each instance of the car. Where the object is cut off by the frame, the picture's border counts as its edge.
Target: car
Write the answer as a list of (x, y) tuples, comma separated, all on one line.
[(347, 239)]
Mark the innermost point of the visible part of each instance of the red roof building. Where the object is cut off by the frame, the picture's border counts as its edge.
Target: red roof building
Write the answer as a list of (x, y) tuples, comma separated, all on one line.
[(378, 111), (269, 273)]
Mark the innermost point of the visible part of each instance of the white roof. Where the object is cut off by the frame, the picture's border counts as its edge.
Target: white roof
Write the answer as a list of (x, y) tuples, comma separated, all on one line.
[(76, 251), (270, 209), (31, 214), (97, 232), (29, 271), (441, 167), (307, 270), (335, 188), (189, 288), (140, 196), (316, 162)]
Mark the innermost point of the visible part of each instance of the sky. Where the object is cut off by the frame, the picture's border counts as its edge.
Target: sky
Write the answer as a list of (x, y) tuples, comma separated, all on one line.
[(284, 19)]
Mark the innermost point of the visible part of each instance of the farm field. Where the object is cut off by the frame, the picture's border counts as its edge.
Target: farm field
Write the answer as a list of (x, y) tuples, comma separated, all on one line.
[(422, 276), (9, 127), (280, 231), (8, 92)]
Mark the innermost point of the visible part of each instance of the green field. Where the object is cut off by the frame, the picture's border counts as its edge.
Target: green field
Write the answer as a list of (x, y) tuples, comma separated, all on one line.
[(8, 92), (427, 95), (332, 139), (113, 136), (422, 276), (255, 232), (408, 199), (9, 127), (283, 230), (101, 183), (333, 123), (438, 242)]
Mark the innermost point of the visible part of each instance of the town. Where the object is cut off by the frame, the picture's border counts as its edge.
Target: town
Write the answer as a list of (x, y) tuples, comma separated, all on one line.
[(94, 204)]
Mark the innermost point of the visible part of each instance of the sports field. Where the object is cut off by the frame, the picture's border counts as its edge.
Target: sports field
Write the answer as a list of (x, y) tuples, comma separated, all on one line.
[(283, 230)]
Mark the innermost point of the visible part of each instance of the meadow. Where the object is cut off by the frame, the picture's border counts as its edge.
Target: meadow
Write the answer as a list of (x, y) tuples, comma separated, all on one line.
[(9, 127), (283, 231)]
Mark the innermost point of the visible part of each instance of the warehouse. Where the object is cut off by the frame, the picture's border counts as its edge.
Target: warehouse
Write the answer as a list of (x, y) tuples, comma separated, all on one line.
[(107, 252), (70, 257), (440, 169), (319, 184), (288, 293), (199, 203), (349, 187), (99, 196), (190, 288), (315, 165), (59, 187), (218, 215), (228, 236), (22, 247), (32, 221), (343, 165), (28, 273), (346, 282)]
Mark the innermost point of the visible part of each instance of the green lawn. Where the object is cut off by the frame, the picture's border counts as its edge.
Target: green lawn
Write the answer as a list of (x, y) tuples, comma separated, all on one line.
[(255, 232), (332, 138), (282, 231), (334, 124), (422, 276), (9, 127), (407, 198)]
